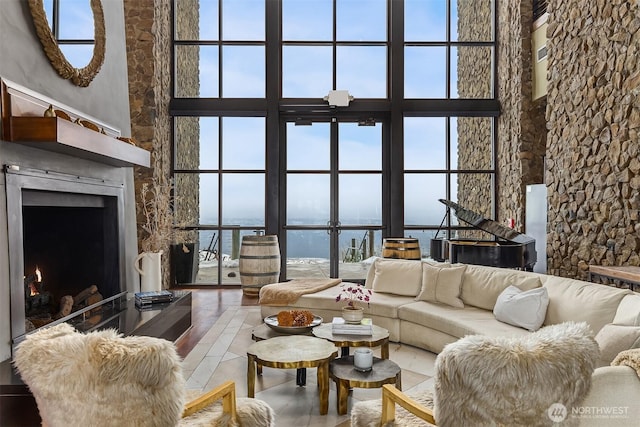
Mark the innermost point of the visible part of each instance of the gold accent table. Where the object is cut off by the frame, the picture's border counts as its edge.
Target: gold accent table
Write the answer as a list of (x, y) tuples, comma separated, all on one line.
[(293, 352), (341, 371), (380, 338), (264, 332)]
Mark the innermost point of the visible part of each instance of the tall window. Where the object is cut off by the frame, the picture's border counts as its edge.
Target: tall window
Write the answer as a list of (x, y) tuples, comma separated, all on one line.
[(219, 49), (334, 45), (248, 73)]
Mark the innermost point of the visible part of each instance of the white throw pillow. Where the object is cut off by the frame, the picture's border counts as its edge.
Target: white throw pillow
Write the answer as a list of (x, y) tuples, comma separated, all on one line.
[(525, 309), (612, 339), (442, 284), (399, 277), (628, 312)]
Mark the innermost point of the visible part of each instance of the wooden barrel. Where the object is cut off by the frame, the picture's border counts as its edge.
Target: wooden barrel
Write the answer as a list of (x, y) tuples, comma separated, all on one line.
[(401, 248), (259, 263)]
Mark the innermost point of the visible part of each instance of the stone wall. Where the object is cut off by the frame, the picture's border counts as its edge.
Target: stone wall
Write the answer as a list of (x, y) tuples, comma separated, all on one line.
[(521, 125), (521, 129), (187, 129), (149, 40), (148, 33), (139, 18), (593, 166), (474, 145)]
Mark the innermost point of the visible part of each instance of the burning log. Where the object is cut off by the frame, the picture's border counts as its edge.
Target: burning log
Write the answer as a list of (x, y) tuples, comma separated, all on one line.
[(97, 297), (66, 305), (80, 299), (87, 297)]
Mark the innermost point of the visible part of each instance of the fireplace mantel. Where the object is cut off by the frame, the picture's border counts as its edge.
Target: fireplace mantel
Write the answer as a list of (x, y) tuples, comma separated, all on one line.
[(62, 136), (25, 121)]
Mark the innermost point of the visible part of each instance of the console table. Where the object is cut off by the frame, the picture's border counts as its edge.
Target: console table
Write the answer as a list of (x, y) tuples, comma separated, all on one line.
[(620, 274)]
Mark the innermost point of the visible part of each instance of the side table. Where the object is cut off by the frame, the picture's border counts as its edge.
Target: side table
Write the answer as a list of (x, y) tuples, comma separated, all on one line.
[(264, 332), (293, 352), (380, 338), (345, 376)]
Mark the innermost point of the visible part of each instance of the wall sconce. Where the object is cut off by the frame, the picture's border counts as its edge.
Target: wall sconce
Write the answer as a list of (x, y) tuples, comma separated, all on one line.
[(338, 98)]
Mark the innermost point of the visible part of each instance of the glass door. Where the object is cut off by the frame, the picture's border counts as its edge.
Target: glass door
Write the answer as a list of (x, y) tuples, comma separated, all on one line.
[(333, 203)]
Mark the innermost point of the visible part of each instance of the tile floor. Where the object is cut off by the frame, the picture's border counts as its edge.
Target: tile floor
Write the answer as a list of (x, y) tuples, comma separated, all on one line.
[(221, 355)]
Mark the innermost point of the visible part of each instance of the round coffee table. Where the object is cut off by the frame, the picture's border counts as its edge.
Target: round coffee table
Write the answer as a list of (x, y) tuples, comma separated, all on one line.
[(264, 332), (341, 371), (293, 352), (380, 337)]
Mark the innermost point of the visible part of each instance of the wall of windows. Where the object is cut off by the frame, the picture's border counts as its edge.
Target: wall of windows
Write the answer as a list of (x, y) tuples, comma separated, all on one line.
[(251, 77)]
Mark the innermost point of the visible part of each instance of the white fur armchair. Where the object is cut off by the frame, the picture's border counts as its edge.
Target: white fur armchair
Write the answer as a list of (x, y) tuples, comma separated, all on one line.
[(488, 381), (104, 379)]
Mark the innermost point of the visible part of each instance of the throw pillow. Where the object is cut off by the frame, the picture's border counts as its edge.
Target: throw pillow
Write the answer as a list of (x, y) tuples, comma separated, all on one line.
[(399, 277), (442, 284), (628, 312), (525, 309), (613, 339)]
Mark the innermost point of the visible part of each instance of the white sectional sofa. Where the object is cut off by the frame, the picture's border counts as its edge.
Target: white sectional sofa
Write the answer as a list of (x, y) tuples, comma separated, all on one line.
[(396, 284), (460, 300)]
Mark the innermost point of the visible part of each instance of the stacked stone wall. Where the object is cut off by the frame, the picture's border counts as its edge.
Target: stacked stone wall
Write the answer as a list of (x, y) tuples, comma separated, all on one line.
[(521, 124), (187, 129), (475, 137), (521, 129), (593, 163), (148, 34), (139, 19)]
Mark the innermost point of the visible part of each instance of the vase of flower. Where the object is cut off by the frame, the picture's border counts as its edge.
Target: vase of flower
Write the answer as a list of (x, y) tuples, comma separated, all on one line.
[(353, 294), (352, 314)]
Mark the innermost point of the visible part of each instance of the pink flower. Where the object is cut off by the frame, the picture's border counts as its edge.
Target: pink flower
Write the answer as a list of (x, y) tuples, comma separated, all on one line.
[(352, 293)]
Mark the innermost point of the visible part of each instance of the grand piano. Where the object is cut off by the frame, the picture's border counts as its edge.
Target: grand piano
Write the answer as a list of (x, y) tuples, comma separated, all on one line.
[(510, 250)]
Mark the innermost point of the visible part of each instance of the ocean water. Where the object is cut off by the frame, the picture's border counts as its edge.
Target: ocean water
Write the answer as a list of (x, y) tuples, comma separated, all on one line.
[(354, 245)]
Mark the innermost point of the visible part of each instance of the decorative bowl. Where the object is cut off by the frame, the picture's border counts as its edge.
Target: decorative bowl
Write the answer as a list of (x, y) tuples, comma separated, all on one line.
[(272, 322)]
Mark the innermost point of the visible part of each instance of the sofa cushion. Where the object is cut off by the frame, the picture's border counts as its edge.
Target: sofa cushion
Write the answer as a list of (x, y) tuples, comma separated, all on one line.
[(442, 284), (612, 339), (628, 312), (579, 301), (571, 299), (481, 285), (399, 277), (525, 309), (456, 322)]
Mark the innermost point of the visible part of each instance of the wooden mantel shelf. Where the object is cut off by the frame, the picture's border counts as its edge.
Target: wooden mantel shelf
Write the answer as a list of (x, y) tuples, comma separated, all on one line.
[(62, 136)]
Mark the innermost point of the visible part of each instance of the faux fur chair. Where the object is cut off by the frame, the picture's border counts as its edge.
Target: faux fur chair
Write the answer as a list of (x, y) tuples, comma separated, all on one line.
[(104, 379), (489, 381)]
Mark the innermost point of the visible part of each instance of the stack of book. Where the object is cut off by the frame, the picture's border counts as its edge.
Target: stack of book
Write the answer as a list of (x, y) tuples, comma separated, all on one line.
[(147, 299), (340, 327)]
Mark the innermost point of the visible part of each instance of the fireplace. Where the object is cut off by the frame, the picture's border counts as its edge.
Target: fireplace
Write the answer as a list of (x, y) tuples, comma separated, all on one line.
[(66, 247), (68, 210), (70, 248)]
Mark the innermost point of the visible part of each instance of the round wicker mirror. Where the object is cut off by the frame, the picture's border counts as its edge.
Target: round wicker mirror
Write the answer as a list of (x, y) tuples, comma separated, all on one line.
[(79, 76)]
